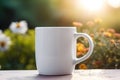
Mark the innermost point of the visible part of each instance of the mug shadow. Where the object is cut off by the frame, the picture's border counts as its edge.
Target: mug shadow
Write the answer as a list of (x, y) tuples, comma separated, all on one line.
[(43, 77)]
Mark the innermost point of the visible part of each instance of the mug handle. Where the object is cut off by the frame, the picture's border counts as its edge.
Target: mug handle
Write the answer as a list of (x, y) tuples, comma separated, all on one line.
[(91, 46)]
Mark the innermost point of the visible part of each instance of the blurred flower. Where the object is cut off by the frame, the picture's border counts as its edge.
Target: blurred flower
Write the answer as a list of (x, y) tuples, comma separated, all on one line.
[(117, 35), (90, 23), (107, 42), (107, 34), (98, 21), (4, 42), (79, 45), (19, 27), (118, 41), (81, 49), (92, 35), (101, 44), (112, 41), (83, 66), (77, 24), (111, 30), (102, 30)]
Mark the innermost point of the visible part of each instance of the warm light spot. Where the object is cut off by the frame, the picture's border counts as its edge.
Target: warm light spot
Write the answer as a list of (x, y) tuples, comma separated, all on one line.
[(114, 3), (91, 5)]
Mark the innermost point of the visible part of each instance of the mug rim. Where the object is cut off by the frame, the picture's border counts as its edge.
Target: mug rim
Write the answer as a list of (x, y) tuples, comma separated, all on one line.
[(54, 27)]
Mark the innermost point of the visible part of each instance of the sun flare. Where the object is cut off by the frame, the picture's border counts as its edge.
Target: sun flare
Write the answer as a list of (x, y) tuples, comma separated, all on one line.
[(114, 3), (90, 5)]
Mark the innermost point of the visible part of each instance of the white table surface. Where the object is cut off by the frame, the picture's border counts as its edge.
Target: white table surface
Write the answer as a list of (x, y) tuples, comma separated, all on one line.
[(93, 74)]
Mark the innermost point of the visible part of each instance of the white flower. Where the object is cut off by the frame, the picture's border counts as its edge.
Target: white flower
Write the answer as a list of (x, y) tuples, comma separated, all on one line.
[(19, 27), (4, 42)]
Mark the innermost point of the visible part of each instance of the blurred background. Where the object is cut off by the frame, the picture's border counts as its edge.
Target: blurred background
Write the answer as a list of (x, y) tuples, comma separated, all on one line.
[(32, 13), (59, 12)]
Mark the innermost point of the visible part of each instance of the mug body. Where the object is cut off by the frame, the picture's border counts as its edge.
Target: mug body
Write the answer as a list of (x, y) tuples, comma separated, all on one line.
[(54, 50)]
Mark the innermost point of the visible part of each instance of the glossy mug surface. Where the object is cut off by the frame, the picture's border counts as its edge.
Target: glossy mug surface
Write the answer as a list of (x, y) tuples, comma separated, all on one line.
[(56, 49)]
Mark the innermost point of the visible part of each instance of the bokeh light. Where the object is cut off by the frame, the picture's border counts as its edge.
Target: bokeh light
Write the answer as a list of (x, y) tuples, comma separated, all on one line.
[(114, 3), (90, 5)]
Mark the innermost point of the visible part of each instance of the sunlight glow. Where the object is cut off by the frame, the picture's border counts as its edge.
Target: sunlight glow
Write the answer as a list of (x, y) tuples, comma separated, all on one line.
[(114, 3), (91, 5)]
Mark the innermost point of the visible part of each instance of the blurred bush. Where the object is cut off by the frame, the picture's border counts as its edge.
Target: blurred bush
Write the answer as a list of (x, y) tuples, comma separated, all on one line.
[(20, 54), (106, 54)]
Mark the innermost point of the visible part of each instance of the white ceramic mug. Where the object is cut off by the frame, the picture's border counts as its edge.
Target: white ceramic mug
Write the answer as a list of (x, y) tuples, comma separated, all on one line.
[(56, 49)]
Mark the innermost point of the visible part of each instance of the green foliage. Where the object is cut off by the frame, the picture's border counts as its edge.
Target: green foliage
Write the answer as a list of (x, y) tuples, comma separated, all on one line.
[(21, 52)]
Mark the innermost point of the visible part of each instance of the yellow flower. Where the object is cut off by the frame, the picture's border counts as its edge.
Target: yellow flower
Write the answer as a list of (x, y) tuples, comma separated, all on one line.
[(77, 24), (80, 45), (107, 34), (83, 66), (81, 49)]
